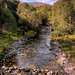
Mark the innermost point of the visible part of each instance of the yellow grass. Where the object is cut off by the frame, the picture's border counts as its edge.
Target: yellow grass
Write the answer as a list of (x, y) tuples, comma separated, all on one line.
[(64, 37), (14, 38)]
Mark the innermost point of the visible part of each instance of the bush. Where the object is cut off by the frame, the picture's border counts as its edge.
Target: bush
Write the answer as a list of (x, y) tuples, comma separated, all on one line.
[(30, 34), (7, 21), (56, 33)]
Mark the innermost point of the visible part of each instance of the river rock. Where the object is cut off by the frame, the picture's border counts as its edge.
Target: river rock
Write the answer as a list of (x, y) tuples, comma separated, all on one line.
[(0, 71), (11, 69), (42, 70), (15, 67), (46, 70), (23, 68), (33, 69), (63, 55), (56, 72), (34, 73), (51, 71), (19, 70), (27, 69), (50, 48), (48, 73), (39, 70), (6, 68), (22, 54), (40, 74), (3, 67)]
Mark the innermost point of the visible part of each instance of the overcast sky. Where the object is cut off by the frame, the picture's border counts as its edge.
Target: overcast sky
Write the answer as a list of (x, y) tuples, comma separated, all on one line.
[(43, 1)]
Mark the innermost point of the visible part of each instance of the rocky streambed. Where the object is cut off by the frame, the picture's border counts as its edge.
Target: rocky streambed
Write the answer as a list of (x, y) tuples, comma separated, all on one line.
[(62, 59), (35, 57), (27, 71)]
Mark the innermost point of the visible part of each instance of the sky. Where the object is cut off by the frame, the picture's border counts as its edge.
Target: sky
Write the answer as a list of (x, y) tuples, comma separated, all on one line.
[(42, 1)]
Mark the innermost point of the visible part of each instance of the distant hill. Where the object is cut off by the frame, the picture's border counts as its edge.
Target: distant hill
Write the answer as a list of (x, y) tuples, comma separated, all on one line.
[(36, 4)]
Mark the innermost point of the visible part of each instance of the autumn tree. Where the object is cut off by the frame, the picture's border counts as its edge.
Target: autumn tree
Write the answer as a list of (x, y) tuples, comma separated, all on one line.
[(63, 17)]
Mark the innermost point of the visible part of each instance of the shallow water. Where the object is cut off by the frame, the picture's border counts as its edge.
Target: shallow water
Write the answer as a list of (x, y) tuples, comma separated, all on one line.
[(35, 53)]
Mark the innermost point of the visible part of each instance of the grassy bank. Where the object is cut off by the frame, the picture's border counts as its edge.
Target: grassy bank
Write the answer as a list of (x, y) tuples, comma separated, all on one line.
[(67, 45), (6, 41)]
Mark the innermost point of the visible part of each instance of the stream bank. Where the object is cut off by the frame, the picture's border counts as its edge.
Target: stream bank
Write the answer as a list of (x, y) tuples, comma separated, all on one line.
[(62, 59), (35, 56)]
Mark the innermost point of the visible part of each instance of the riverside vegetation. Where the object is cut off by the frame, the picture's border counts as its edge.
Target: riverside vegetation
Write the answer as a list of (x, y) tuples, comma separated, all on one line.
[(21, 20), (63, 22)]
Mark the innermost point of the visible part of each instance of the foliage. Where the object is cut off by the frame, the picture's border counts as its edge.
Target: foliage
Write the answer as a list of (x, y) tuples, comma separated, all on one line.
[(7, 21), (63, 24), (19, 20), (31, 18), (6, 41), (30, 34), (63, 17), (12, 6), (68, 47), (8, 26)]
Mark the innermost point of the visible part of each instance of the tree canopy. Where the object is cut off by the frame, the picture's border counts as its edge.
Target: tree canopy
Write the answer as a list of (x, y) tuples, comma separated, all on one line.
[(63, 17)]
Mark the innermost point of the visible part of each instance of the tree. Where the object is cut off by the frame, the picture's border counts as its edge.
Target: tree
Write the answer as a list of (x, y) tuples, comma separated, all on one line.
[(3, 3), (7, 21), (12, 6), (63, 16)]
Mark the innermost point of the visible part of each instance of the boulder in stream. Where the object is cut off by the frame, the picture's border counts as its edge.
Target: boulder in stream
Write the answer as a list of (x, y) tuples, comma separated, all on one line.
[(50, 48)]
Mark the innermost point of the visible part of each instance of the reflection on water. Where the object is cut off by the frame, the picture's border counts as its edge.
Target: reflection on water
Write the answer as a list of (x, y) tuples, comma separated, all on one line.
[(36, 53)]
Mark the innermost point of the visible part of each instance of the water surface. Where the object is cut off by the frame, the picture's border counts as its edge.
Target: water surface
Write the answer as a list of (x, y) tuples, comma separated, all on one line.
[(35, 53)]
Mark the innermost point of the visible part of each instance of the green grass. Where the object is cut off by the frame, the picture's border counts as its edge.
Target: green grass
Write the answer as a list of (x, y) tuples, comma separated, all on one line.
[(6, 41), (68, 46)]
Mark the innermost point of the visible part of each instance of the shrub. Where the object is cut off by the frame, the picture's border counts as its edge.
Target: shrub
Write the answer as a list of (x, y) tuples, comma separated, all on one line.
[(30, 34)]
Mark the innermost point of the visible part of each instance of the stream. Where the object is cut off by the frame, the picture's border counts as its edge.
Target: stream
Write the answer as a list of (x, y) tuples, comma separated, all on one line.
[(34, 53)]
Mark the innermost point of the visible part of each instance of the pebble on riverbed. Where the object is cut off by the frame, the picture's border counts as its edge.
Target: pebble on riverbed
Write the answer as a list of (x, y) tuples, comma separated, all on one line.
[(51, 49), (64, 61), (26, 71)]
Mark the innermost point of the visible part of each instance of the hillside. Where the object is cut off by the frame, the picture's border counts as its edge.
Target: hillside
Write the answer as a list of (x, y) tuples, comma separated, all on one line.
[(36, 4)]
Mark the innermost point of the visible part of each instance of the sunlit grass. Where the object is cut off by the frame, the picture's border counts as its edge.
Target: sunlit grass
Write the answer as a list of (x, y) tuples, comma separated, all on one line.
[(6, 41), (63, 37), (67, 45)]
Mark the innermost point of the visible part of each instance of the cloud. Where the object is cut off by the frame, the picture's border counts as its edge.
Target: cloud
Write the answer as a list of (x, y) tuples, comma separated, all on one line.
[(43, 1), (23, 0), (52, 2), (47, 1)]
